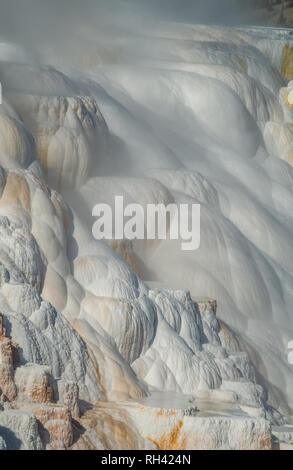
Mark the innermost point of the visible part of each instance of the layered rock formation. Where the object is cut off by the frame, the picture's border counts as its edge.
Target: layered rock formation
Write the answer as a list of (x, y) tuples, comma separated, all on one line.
[(124, 344)]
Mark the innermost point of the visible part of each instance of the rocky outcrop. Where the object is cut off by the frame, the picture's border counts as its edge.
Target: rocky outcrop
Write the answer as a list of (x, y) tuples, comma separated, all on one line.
[(34, 383), (29, 393), (19, 430), (69, 395), (56, 424), (8, 356)]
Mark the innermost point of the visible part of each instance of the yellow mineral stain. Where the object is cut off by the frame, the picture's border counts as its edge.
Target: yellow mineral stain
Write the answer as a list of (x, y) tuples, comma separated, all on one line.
[(285, 98), (242, 64), (289, 156), (162, 412), (16, 192), (287, 62)]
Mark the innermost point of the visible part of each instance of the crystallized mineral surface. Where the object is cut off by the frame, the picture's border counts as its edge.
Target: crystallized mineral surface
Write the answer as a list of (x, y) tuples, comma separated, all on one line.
[(138, 344)]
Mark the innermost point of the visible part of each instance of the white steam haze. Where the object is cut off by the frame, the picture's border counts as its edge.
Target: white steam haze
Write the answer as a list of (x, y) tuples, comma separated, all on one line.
[(61, 23), (160, 102)]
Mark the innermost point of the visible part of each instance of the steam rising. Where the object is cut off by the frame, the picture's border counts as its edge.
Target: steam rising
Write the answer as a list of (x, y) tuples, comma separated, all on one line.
[(61, 23)]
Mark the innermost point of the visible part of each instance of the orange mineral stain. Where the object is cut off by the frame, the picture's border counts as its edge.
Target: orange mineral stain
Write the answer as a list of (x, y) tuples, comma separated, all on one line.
[(174, 440)]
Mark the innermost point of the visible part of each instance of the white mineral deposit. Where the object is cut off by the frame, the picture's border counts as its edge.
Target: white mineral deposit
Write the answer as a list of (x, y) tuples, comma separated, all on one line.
[(139, 344)]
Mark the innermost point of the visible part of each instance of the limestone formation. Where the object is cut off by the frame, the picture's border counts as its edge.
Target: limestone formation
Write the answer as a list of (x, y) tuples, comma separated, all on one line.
[(137, 344)]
